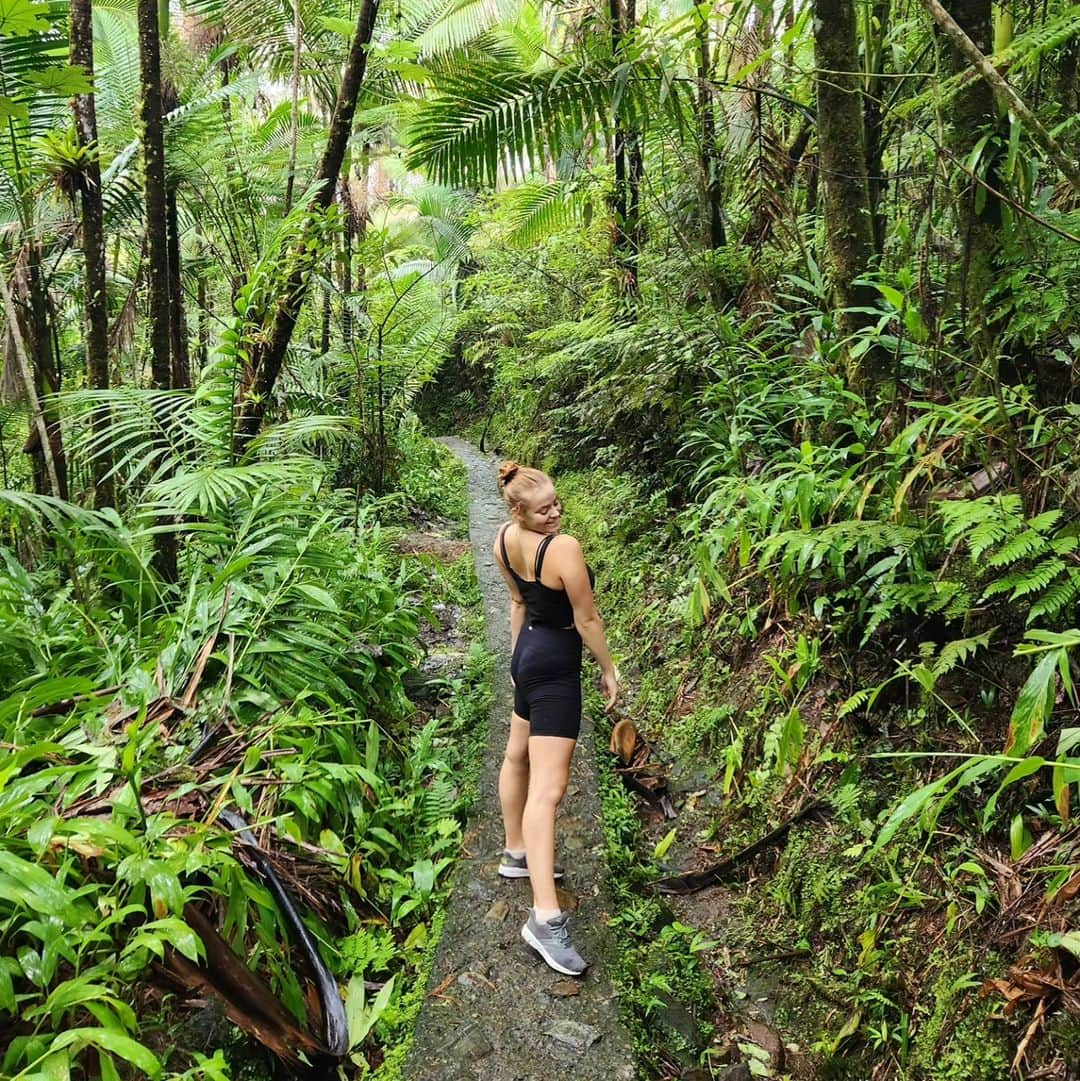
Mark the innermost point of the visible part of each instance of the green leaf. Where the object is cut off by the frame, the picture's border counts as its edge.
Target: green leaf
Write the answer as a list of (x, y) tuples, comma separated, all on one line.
[(23, 17), (116, 1043), (177, 933), (665, 842), (361, 1020), (109, 1072), (64, 82), (335, 25), (1033, 707), (7, 988), (17, 110), (1021, 770), (1069, 940), (1019, 838)]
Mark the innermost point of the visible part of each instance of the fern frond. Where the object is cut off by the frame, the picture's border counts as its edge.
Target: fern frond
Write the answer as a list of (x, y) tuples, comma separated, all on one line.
[(1056, 598), (960, 650), (1023, 545), (1024, 582), (496, 119)]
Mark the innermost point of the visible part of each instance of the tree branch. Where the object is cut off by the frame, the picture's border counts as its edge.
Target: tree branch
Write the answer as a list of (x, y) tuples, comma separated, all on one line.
[(1004, 92)]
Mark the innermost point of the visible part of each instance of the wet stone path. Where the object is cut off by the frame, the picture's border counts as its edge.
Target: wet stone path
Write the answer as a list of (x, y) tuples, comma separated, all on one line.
[(494, 1010)]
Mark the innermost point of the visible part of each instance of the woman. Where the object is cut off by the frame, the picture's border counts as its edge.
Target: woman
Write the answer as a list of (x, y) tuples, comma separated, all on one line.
[(551, 613)]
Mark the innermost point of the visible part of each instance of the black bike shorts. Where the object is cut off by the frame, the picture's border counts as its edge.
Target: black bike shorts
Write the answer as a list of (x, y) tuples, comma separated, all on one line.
[(546, 667)]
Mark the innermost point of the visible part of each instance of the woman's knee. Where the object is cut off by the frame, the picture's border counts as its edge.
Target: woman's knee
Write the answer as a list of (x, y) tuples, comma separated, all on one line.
[(546, 792), (517, 755), (517, 744)]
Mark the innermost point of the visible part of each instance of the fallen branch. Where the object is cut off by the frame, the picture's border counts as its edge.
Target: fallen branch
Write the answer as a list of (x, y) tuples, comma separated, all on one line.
[(692, 881), (335, 1024), (246, 999)]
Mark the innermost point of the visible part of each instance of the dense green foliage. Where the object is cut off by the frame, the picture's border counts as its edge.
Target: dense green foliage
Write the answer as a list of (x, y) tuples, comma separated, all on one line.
[(782, 294)]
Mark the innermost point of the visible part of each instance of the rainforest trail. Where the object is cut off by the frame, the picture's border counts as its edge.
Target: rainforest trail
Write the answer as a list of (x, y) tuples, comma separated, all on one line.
[(493, 1010)]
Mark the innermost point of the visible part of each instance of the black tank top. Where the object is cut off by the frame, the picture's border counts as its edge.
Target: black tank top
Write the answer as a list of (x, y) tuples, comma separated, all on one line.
[(544, 605)]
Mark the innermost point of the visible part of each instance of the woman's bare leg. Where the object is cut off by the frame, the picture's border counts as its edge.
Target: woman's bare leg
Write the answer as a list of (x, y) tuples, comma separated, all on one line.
[(514, 781), (549, 771)]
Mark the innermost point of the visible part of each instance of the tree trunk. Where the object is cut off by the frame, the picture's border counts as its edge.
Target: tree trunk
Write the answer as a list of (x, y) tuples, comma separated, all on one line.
[(842, 159), (345, 202), (48, 377), (324, 337), (28, 377), (269, 355), (202, 349), (628, 165), (877, 33), (178, 331), (1003, 90), (93, 247), (712, 225), (157, 246), (294, 134), (974, 114)]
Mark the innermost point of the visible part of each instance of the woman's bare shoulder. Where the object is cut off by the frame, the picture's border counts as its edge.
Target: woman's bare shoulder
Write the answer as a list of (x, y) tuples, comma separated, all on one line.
[(566, 546)]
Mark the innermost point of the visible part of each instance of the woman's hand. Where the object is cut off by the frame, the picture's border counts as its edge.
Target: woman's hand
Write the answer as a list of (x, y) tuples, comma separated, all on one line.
[(609, 687)]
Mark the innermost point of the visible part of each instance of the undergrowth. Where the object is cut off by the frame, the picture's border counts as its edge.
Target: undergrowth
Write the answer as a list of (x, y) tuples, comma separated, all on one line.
[(269, 682)]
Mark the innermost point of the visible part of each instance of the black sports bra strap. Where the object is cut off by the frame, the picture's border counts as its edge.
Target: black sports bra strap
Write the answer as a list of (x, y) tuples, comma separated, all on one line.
[(541, 549), (502, 545)]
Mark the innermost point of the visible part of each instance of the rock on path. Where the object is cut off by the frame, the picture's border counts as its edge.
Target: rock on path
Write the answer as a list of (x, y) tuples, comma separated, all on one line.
[(494, 1010)]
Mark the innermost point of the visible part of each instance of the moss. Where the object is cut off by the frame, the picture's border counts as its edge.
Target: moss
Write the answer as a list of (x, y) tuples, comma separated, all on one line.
[(958, 1041)]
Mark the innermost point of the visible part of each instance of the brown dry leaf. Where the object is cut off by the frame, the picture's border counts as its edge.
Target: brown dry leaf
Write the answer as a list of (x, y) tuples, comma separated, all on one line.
[(623, 738)]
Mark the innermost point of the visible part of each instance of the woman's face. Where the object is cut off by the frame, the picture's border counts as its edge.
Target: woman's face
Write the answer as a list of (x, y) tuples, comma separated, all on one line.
[(541, 510)]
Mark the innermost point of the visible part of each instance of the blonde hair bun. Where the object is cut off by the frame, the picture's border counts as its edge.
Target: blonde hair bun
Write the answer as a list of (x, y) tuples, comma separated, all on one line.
[(507, 472), (516, 481)]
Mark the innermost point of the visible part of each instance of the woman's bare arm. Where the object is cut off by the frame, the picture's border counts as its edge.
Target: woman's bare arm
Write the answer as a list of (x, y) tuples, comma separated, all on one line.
[(570, 566)]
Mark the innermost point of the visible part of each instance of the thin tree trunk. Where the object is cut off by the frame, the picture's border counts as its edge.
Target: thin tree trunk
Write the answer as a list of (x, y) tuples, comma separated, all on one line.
[(361, 214), (877, 32), (26, 373), (268, 356), (47, 374), (294, 135), (709, 157), (202, 299), (178, 331), (627, 164), (974, 114), (157, 247), (324, 339), (345, 200), (842, 154), (93, 247)]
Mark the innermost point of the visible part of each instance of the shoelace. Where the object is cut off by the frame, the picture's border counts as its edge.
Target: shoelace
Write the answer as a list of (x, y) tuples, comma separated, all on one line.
[(560, 930)]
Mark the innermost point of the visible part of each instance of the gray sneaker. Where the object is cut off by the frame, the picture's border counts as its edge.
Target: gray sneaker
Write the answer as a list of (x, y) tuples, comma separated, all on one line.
[(552, 941), (516, 867)]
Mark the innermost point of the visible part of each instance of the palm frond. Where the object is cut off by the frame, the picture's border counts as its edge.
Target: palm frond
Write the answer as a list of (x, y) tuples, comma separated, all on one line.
[(496, 120), (537, 210)]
